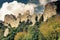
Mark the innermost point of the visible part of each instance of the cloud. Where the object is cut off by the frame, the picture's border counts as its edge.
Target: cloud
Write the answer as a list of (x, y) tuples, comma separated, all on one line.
[(44, 2), (15, 8), (53, 0)]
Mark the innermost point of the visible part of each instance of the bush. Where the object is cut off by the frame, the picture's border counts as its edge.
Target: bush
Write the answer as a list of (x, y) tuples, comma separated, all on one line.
[(59, 38), (49, 28), (20, 36)]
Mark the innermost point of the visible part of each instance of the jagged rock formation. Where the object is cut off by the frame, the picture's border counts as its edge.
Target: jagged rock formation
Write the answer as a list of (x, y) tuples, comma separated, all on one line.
[(25, 16), (50, 10), (14, 21), (11, 19), (39, 16), (19, 17), (28, 16), (33, 18)]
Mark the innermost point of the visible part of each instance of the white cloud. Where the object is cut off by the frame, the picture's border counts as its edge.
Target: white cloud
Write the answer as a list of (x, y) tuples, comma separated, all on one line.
[(15, 8), (44, 2)]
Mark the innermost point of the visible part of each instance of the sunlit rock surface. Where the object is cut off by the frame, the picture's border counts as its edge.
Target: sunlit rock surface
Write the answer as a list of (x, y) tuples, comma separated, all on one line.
[(50, 10), (6, 32), (14, 21)]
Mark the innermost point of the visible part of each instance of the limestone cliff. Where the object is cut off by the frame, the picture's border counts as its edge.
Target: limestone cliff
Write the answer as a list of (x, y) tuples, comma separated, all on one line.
[(14, 21), (11, 19), (50, 10)]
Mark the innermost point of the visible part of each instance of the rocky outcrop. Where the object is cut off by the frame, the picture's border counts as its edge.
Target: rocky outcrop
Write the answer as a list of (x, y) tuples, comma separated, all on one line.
[(11, 19), (14, 21), (39, 16), (50, 10), (25, 16)]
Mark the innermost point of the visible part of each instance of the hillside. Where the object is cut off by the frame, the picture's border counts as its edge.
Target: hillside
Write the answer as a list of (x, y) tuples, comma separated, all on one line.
[(51, 28), (28, 26)]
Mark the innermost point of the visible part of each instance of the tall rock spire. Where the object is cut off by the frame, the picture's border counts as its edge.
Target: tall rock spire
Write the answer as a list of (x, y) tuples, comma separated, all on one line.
[(50, 10)]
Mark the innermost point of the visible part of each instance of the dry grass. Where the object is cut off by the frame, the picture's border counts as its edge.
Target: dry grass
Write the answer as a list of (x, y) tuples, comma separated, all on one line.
[(53, 24)]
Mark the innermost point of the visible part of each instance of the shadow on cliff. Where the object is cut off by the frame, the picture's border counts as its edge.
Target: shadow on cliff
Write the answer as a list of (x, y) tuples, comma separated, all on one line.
[(57, 3)]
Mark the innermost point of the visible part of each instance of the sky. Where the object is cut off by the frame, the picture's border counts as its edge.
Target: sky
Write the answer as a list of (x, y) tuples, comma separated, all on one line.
[(2, 1), (17, 6), (25, 1)]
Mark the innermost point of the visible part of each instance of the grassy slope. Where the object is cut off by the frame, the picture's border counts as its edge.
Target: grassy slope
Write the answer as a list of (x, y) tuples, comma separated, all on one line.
[(50, 26)]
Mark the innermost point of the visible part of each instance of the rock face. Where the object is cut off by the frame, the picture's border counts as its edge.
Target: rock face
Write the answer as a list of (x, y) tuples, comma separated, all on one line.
[(6, 32), (50, 10), (11, 19), (14, 21), (25, 16), (33, 19)]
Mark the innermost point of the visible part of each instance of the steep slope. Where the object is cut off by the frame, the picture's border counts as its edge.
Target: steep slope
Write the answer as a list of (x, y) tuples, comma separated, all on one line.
[(49, 11), (51, 27)]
